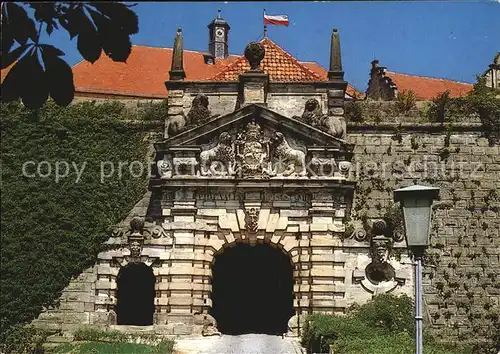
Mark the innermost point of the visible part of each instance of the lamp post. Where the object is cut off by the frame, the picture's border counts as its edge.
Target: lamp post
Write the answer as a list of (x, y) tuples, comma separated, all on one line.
[(416, 202)]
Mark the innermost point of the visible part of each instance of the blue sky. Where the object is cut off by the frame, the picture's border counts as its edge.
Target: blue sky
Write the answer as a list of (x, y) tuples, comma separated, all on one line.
[(448, 39)]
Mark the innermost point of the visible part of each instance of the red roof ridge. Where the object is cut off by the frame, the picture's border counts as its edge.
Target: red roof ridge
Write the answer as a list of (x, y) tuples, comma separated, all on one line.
[(310, 62), (430, 77), (186, 50)]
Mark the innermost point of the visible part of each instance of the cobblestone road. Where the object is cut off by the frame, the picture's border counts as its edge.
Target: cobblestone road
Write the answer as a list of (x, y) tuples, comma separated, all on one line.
[(253, 344)]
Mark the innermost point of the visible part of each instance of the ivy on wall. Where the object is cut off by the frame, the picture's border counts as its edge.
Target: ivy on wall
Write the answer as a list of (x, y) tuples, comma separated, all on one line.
[(52, 228), (461, 266)]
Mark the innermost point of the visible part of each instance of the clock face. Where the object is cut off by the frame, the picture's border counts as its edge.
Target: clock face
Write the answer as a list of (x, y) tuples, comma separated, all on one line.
[(219, 32)]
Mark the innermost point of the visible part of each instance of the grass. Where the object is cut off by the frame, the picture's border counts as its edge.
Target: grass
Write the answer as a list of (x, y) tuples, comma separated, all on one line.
[(388, 344), (96, 341), (112, 348)]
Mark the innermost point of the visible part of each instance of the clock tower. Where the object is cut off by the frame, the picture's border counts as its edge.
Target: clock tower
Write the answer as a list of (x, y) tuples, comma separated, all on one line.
[(218, 30)]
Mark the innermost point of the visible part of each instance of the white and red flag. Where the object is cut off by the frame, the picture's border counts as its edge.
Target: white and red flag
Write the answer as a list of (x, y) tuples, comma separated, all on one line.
[(275, 19)]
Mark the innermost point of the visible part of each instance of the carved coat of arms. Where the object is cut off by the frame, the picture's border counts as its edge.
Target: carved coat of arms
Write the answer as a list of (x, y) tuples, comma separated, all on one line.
[(252, 151)]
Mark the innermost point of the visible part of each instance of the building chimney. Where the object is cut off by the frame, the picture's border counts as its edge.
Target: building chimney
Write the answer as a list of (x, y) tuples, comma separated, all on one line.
[(335, 72), (177, 72)]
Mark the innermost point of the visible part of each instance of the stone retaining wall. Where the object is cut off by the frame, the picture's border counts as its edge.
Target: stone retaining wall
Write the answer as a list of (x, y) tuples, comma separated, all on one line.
[(461, 281)]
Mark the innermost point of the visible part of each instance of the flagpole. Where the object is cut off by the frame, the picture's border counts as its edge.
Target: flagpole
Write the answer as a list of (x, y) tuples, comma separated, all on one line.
[(264, 22)]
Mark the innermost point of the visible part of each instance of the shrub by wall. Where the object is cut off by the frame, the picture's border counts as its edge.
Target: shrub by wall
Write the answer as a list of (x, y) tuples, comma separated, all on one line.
[(384, 325), (52, 229)]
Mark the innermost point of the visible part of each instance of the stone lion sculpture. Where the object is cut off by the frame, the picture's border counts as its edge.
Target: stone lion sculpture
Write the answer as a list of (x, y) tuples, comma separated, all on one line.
[(314, 116), (293, 160), (312, 112), (222, 153), (199, 112)]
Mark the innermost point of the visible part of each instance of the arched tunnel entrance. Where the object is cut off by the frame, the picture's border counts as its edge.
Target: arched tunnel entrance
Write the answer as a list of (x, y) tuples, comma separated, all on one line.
[(252, 290), (135, 295)]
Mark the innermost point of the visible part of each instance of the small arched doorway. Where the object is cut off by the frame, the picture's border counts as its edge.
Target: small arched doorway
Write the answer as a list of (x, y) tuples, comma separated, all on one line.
[(252, 290), (135, 295)]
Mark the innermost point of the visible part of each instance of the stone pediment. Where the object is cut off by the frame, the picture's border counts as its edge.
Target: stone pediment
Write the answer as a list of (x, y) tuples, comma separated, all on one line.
[(263, 116), (254, 143)]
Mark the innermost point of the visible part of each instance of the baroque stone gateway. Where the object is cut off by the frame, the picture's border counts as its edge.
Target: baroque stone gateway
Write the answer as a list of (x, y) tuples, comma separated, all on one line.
[(249, 222), (252, 176)]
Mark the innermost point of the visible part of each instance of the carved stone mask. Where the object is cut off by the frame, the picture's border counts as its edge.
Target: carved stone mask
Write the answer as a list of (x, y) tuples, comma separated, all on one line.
[(135, 249), (380, 249)]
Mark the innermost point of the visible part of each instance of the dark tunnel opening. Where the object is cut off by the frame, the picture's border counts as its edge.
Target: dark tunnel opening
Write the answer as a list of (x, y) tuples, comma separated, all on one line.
[(252, 290), (135, 295)]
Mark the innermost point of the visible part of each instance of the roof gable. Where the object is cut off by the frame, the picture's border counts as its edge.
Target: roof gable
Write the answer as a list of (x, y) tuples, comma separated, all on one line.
[(280, 65), (261, 115)]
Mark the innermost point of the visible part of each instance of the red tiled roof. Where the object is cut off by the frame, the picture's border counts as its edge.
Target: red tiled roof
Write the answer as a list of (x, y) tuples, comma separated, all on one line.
[(426, 88), (280, 66), (144, 74), (146, 70)]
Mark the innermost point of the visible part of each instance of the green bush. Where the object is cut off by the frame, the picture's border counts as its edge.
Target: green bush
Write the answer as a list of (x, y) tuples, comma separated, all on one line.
[(354, 111), (486, 103), (22, 340), (52, 231), (384, 325), (405, 101), (437, 110), (321, 330), (482, 101), (393, 314)]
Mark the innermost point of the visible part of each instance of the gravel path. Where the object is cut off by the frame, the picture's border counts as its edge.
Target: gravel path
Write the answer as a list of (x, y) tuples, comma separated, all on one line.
[(253, 344)]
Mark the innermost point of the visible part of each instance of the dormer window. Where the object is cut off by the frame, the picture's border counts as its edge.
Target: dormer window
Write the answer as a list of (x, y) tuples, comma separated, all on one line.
[(208, 58)]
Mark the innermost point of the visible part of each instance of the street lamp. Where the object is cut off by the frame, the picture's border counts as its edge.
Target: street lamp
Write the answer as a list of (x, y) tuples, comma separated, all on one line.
[(416, 202)]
